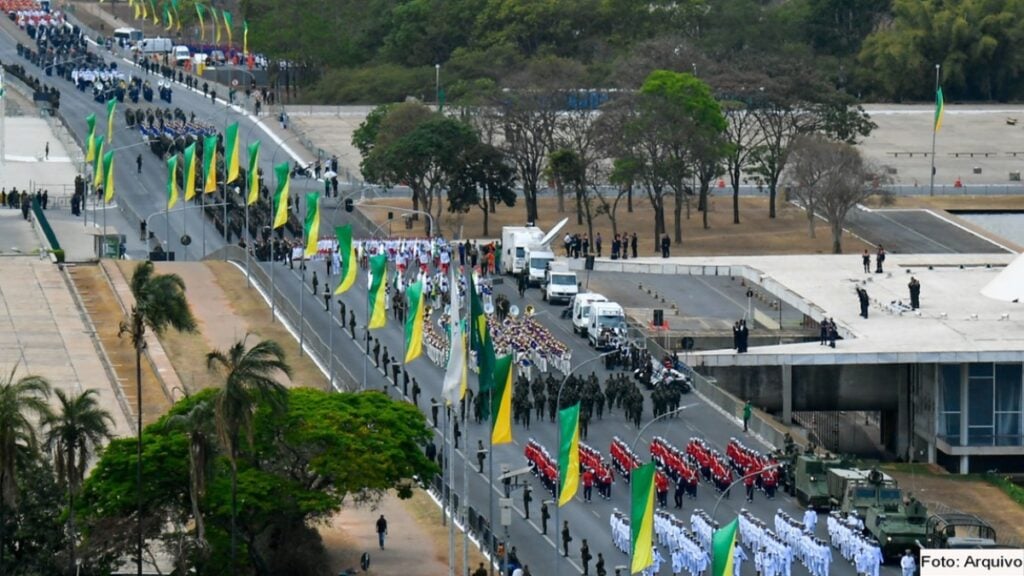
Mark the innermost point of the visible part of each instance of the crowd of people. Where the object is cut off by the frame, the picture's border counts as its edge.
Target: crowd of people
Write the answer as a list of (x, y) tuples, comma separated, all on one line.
[(814, 553), (580, 245), (846, 534), (772, 556)]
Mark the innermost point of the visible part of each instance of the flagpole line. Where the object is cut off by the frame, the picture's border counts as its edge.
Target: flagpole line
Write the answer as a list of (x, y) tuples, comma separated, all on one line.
[(451, 494), (490, 480), (248, 246), (465, 497), (184, 227), (443, 496), (202, 218), (302, 309), (273, 266), (931, 181)]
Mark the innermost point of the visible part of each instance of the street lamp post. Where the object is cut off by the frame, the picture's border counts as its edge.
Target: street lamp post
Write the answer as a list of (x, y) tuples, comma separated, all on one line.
[(437, 85), (726, 491), (430, 217), (558, 445)]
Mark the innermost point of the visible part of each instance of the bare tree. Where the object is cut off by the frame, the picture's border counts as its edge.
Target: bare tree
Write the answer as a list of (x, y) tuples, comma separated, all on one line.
[(832, 178), (742, 138)]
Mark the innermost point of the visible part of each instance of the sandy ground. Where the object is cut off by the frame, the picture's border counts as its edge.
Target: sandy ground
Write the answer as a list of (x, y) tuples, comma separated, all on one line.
[(969, 495)]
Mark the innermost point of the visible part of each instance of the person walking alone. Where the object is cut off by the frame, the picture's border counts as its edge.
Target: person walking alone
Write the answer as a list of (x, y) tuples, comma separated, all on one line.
[(382, 530)]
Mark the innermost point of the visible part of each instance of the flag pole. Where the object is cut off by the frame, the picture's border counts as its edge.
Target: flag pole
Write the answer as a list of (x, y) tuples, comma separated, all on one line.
[(444, 466), (931, 182), (248, 246), (490, 472), (465, 496), (302, 290), (451, 495), (184, 228), (202, 219), (273, 266)]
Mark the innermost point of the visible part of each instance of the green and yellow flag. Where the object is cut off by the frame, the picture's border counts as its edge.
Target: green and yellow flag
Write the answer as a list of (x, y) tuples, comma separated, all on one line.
[(177, 19), (414, 321), (641, 517), (97, 170), (168, 18), (210, 164), (723, 543), (108, 177), (231, 146), (253, 175), (227, 24), (569, 453), (111, 105), (480, 341), (312, 224), (347, 251), (281, 195), (378, 280), (216, 25), (90, 139), (202, 25), (501, 400), (137, 11), (190, 172), (245, 37), (156, 20), (940, 109), (172, 181)]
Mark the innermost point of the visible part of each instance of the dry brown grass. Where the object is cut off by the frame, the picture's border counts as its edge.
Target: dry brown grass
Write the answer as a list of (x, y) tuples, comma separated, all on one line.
[(256, 313), (756, 233), (426, 514)]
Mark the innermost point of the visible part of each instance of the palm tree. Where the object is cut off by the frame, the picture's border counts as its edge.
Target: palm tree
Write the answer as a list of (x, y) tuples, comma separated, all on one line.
[(196, 423), (73, 435), (19, 399), (250, 380), (159, 302)]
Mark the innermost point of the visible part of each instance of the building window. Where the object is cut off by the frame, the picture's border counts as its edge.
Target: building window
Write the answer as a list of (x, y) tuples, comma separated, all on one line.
[(980, 405), (1007, 409), (949, 385)]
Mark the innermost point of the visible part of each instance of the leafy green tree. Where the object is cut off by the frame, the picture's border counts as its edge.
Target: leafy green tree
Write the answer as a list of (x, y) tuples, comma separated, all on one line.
[(426, 159), (693, 127), (484, 180), (74, 434), (978, 43), (160, 303), (322, 451), (36, 541), (565, 169), (251, 377), (20, 400)]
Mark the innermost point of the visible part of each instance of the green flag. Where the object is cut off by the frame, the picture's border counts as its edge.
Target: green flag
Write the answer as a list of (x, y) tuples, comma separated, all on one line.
[(568, 453), (641, 516), (378, 282), (481, 343), (501, 400), (722, 545), (172, 181), (90, 140), (253, 175), (940, 109)]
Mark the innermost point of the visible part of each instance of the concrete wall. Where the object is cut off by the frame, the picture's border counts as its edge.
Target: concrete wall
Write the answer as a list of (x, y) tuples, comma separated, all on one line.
[(853, 387)]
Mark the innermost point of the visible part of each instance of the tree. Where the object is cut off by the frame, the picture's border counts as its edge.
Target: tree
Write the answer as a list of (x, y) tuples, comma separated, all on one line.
[(73, 435), (565, 169), (528, 110), (20, 401), (305, 462), (250, 379), (197, 424), (813, 158), (37, 541), (978, 43), (484, 180), (160, 303), (832, 177), (691, 125)]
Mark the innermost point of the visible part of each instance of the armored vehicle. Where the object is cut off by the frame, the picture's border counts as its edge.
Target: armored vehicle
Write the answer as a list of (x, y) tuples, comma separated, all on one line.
[(957, 530)]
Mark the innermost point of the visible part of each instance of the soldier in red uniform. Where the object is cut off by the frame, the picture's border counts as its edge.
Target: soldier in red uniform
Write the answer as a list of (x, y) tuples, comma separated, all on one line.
[(588, 484), (661, 487)]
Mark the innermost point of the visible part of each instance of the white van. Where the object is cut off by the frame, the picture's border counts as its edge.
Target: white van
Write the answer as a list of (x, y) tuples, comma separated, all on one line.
[(581, 311), (559, 283), (605, 325), (181, 55)]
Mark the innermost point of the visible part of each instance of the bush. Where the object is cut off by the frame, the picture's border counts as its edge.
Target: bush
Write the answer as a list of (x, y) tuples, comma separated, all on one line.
[(373, 85), (59, 255)]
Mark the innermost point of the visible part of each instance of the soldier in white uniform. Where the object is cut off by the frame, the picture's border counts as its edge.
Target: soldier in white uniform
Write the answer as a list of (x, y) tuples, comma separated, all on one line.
[(908, 565), (810, 520)]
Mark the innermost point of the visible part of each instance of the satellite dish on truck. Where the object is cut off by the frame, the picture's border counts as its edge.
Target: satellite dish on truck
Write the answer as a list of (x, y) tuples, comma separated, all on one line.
[(553, 233)]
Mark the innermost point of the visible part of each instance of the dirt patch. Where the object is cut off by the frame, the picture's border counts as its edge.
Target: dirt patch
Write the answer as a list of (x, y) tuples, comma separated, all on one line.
[(965, 494), (756, 233), (419, 552)]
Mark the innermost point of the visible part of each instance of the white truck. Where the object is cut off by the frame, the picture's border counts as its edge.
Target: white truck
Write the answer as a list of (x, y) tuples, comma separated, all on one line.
[(606, 325), (518, 241), (181, 55), (559, 283), (155, 45), (581, 304)]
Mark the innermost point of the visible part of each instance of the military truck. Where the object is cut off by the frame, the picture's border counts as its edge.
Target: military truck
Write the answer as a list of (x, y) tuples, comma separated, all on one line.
[(810, 473), (897, 521), (958, 530), (854, 490)]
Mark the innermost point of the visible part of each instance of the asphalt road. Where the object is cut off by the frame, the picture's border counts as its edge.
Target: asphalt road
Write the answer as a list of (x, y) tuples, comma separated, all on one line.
[(916, 232), (143, 195)]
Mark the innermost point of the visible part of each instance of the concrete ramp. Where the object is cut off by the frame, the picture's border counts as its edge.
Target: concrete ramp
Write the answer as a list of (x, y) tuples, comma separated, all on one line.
[(1008, 286)]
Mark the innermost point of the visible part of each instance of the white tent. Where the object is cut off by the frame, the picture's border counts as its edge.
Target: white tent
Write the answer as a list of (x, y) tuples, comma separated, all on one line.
[(1008, 286)]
